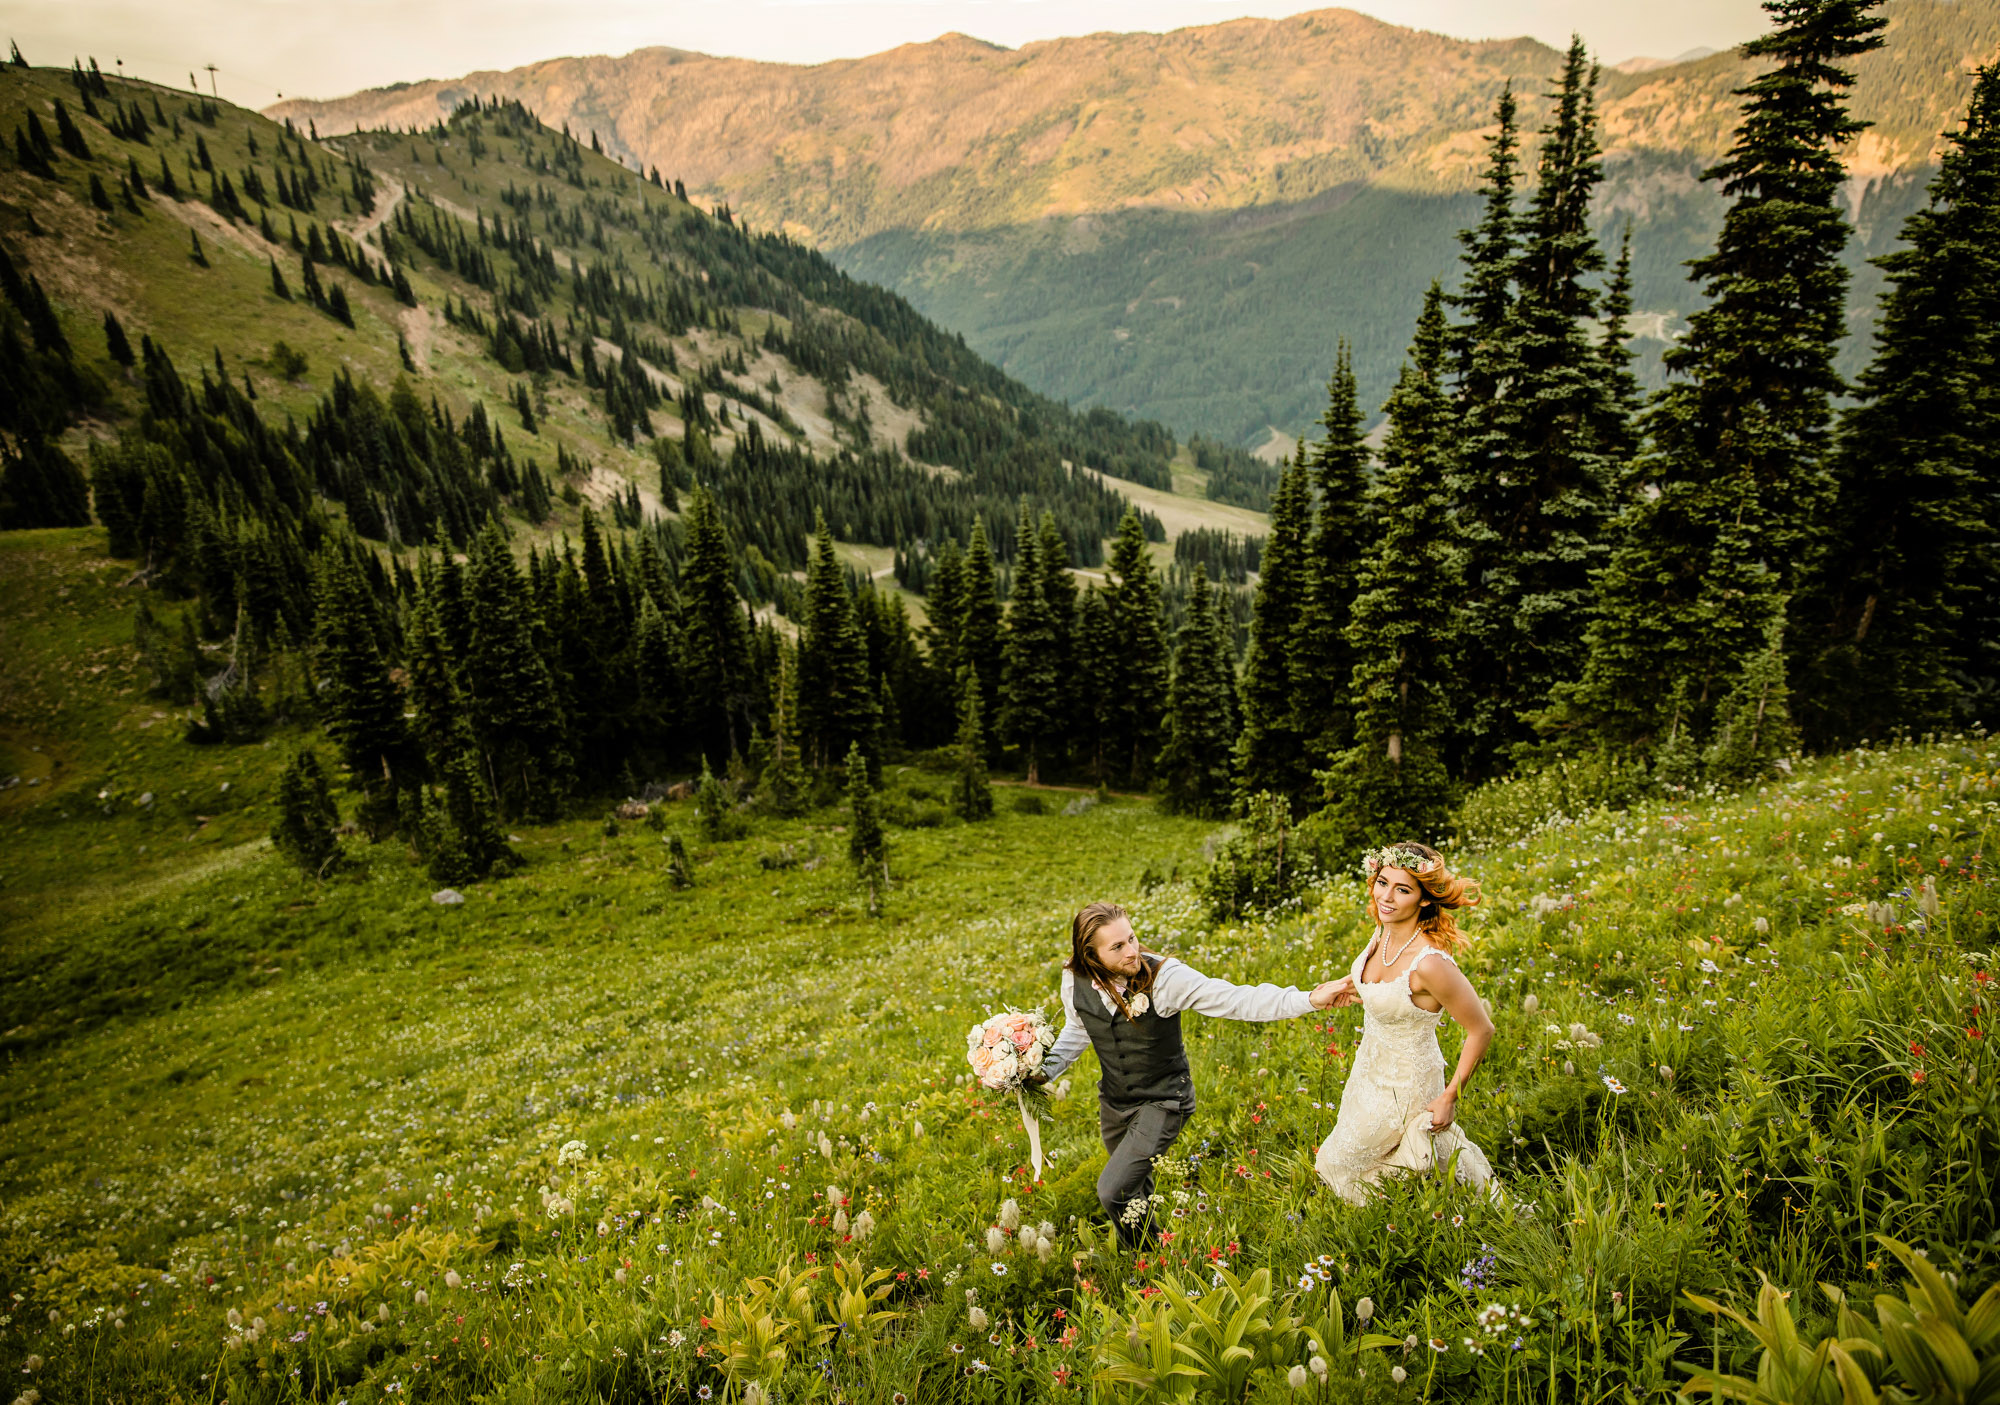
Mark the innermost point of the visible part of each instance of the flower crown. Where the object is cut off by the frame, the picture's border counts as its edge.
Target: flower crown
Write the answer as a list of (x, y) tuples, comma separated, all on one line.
[(1396, 856)]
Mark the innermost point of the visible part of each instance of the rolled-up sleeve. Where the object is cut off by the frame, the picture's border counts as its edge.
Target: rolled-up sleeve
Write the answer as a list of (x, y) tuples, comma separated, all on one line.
[(1073, 1040), (1179, 987)]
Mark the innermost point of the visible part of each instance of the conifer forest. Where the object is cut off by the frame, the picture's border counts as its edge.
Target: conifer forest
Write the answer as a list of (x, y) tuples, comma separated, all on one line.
[(534, 714)]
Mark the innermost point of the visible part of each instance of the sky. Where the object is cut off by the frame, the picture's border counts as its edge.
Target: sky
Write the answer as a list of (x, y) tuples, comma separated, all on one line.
[(262, 49)]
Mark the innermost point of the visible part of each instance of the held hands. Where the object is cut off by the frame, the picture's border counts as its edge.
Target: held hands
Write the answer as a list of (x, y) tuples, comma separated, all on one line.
[(1328, 994)]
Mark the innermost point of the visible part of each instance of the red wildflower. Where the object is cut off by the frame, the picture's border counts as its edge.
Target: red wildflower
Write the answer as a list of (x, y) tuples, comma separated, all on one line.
[(1916, 1048)]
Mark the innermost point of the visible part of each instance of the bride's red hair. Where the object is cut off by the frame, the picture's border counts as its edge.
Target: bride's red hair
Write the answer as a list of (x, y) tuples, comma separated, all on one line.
[(1442, 893)]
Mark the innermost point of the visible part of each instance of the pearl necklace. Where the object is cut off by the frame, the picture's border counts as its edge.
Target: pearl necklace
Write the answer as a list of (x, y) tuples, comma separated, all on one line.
[(1388, 961)]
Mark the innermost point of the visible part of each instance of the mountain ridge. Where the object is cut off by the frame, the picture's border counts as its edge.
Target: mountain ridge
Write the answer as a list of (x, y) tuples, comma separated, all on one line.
[(943, 170)]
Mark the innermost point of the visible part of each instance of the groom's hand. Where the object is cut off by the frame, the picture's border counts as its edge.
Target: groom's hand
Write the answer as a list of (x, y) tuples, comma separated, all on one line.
[(1036, 1080), (1328, 994)]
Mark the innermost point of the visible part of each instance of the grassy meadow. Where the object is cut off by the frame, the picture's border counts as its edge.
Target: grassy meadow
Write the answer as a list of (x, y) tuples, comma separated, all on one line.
[(589, 1137)]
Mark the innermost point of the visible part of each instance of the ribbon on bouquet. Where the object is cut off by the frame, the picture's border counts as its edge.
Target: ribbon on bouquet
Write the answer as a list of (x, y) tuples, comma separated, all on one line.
[(1032, 1125)]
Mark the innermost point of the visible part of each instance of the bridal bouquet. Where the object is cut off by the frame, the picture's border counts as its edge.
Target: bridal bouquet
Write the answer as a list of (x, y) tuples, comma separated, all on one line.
[(1007, 1049)]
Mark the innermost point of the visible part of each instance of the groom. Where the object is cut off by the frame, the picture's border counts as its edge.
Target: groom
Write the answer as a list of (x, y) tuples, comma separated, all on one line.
[(1126, 1003)]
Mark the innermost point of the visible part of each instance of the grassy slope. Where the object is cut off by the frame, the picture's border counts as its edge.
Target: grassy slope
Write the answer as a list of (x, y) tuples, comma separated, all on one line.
[(229, 1087)]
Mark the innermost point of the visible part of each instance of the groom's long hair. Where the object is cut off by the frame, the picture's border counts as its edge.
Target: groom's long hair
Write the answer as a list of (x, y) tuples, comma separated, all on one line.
[(1083, 962), (1441, 891)]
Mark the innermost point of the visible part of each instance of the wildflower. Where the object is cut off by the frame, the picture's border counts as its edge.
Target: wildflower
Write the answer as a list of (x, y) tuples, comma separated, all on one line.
[(994, 1339), (1318, 1367), (864, 1225), (572, 1153), (899, 1399), (978, 1319), (423, 1298), (1010, 1215), (705, 1393), (1531, 1004), (957, 1350), (1613, 1084), (676, 1338), (1457, 1220), (996, 1240), (1440, 1345), (1364, 1311), (999, 1270), (978, 1365), (1297, 1377), (1666, 1074), (33, 1363), (1398, 1374), (451, 1278)]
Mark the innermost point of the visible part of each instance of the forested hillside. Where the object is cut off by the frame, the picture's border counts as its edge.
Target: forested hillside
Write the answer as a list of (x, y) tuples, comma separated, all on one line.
[(483, 375)]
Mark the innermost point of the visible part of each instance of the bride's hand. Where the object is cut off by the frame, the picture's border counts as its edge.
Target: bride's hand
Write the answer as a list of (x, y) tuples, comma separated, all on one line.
[(1444, 1110), (1328, 994)]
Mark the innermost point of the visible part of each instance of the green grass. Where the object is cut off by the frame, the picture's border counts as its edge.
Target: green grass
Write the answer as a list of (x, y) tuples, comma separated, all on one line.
[(231, 1088)]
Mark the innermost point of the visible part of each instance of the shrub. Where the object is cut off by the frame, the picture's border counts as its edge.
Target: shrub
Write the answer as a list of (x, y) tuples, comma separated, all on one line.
[(1260, 868), (1030, 805), (307, 817)]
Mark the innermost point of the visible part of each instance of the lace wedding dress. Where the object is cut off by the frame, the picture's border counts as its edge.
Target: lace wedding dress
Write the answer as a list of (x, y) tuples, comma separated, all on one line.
[(1385, 1123)]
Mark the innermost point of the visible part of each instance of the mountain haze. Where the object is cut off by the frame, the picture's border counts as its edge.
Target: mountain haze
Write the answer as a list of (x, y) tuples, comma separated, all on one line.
[(1182, 224)]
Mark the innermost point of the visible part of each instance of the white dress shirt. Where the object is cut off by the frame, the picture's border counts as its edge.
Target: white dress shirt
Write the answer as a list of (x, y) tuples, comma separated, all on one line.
[(1177, 986)]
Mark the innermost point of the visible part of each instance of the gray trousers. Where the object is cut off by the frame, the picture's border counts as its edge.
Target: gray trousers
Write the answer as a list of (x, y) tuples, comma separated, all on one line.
[(1134, 1133)]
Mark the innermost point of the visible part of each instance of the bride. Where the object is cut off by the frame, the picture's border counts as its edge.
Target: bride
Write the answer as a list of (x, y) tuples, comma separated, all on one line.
[(1398, 1112)]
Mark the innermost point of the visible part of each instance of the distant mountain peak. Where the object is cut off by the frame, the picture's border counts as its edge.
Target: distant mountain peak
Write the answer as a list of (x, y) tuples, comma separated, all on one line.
[(1647, 65)]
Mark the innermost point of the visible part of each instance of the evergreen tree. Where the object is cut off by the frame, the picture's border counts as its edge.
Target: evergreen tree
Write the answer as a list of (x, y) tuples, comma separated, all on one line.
[(712, 808), (1136, 686), (1901, 625), (278, 280), (1196, 759), (1620, 432), (307, 817), (115, 344), (1036, 689), (41, 487), (195, 254), (462, 832), (1753, 728), (1096, 672), (837, 701), (1489, 259), (784, 779), (717, 675), (1730, 505), (1393, 779), (1270, 753), (510, 692), (1322, 661), (360, 704), (979, 614), (867, 844), (971, 791), (1535, 474), (944, 602)]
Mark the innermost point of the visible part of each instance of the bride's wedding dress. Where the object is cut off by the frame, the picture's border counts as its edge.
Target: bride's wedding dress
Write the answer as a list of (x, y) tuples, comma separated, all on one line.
[(1385, 1122)]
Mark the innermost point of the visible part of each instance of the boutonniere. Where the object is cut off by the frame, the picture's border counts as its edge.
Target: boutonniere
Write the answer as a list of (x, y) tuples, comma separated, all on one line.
[(1138, 1005)]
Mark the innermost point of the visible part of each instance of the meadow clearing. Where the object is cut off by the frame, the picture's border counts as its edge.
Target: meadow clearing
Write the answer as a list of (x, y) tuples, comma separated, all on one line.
[(586, 1136)]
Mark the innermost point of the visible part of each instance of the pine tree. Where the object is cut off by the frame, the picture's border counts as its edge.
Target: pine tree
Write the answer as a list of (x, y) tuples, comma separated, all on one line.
[(784, 778), (1097, 668), (712, 808), (1620, 432), (336, 303), (1195, 763), (1394, 778), (1900, 627), (41, 487), (1139, 659), (979, 615), (1270, 753), (717, 676), (837, 701), (1753, 729), (1322, 661), (115, 344), (278, 280), (944, 602), (1535, 477), (1730, 508), (462, 832), (867, 844), (1489, 259), (195, 254), (1036, 688), (511, 693), (360, 704), (307, 817), (971, 790)]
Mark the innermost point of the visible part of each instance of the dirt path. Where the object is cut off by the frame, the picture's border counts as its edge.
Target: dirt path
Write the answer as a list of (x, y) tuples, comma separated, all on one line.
[(383, 209)]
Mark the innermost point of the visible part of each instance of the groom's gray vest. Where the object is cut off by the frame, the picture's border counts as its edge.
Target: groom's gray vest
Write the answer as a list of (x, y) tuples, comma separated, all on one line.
[(1143, 1059)]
